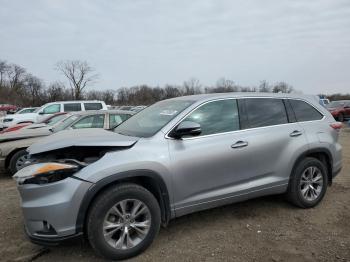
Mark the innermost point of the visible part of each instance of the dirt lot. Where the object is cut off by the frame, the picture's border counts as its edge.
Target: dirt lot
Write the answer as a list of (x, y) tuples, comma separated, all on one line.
[(265, 229)]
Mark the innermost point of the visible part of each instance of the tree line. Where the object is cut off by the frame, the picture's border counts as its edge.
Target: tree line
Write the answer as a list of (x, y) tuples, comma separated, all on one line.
[(21, 88)]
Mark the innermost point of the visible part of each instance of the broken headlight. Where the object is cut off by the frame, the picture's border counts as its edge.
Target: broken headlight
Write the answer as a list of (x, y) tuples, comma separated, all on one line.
[(45, 173)]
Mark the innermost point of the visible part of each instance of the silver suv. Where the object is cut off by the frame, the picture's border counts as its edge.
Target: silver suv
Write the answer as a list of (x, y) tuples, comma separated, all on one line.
[(176, 157)]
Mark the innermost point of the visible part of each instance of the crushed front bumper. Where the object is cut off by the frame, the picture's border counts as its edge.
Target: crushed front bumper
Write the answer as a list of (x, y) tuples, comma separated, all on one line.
[(50, 211)]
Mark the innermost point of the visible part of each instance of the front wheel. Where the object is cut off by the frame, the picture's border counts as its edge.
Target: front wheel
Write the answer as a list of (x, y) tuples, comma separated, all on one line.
[(19, 160), (308, 183), (123, 221)]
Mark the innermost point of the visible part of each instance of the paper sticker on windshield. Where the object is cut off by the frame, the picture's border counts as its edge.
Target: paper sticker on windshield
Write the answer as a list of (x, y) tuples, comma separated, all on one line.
[(168, 112)]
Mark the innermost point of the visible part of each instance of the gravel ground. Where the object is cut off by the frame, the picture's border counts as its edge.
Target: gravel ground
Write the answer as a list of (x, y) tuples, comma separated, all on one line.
[(264, 229)]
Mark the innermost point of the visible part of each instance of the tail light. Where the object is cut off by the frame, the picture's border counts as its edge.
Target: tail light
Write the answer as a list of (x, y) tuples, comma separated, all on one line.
[(336, 126)]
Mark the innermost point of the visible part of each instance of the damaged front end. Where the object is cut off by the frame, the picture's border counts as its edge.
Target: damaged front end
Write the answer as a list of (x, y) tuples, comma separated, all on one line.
[(49, 167), (59, 156)]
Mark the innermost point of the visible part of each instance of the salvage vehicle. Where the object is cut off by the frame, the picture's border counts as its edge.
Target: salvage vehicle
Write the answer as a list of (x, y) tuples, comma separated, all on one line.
[(52, 108), (50, 120), (340, 110), (13, 145), (173, 158)]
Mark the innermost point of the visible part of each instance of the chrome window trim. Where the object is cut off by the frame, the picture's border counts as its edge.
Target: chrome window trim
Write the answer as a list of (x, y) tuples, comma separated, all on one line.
[(240, 130)]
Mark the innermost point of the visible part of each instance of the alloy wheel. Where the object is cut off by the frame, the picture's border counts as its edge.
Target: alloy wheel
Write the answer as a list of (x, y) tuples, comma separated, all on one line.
[(22, 161), (311, 183), (126, 224)]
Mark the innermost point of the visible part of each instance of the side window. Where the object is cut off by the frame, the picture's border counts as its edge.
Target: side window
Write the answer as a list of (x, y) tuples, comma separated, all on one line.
[(216, 117), (305, 112), (96, 121), (52, 109), (72, 107), (116, 119), (92, 106), (265, 112)]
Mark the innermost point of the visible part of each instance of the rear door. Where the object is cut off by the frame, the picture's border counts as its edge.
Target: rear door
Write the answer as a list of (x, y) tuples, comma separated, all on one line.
[(275, 140)]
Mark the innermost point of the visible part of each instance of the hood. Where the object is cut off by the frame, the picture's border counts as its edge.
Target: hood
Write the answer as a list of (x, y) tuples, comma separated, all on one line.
[(35, 126), (92, 137), (24, 133), (22, 117)]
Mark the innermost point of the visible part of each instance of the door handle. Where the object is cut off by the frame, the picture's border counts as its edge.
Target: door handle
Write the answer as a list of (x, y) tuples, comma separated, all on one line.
[(239, 144), (296, 133)]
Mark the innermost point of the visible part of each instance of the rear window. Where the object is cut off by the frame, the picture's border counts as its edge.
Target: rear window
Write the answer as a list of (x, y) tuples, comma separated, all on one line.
[(95, 121), (265, 112), (116, 119), (72, 107), (304, 111), (93, 106)]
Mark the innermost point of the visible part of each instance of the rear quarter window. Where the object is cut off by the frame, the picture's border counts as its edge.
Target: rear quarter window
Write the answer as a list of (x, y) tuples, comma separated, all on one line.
[(304, 111)]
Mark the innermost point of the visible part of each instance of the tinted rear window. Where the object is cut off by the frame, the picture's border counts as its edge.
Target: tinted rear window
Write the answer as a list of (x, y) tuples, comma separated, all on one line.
[(265, 112), (93, 106), (72, 107), (304, 112)]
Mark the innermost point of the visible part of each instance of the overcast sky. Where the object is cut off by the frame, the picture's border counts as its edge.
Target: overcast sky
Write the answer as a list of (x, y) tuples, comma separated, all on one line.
[(305, 43)]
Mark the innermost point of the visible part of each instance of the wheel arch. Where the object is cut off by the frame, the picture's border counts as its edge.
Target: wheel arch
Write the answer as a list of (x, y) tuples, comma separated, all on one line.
[(322, 154), (11, 154), (149, 179)]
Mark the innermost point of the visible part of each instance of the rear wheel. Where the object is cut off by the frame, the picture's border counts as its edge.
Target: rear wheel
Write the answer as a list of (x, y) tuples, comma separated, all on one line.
[(123, 221), (308, 183), (19, 160)]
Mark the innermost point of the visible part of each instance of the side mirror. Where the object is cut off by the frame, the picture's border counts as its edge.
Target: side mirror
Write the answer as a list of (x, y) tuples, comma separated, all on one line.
[(186, 128), (41, 113)]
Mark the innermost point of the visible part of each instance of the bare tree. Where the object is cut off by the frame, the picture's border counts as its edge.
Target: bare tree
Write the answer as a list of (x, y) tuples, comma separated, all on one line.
[(192, 87), (3, 69), (223, 85), (34, 87), (282, 87), (15, 75), (57, 92), (264, 87), (79, 75)]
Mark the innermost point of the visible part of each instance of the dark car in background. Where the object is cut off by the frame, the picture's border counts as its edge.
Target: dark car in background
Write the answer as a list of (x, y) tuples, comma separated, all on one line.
[(340, 110)]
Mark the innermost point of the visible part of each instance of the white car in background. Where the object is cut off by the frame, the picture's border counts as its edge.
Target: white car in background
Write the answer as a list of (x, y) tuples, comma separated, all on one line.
[(52, 108)]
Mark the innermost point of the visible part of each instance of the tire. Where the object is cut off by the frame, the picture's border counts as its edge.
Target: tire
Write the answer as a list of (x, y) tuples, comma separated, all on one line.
[(17, 161), (102, 213), (298, 185), (341, 117)]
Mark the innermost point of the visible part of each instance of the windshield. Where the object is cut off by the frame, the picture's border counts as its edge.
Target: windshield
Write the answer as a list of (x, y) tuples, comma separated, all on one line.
[(65, 123), (336, 104), (55, 119), (150, 120), (26, 110)]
